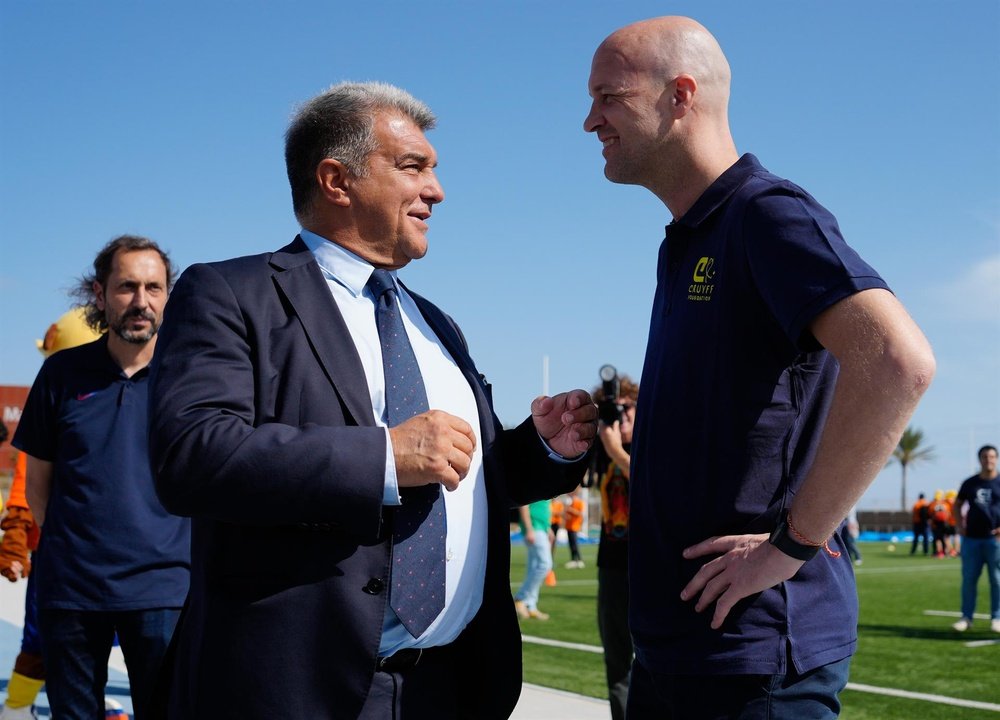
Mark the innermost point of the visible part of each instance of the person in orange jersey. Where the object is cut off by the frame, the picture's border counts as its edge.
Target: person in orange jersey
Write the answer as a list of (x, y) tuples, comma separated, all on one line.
[(20, 539), (573, 521), (557, 509), (921, 516), (940, 516), (952, 537)]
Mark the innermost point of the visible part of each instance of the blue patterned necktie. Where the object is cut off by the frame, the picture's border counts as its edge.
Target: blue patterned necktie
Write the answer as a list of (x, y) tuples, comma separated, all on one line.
[(418, 538)]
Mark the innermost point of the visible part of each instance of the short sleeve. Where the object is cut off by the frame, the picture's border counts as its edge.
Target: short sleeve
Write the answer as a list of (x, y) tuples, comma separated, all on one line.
[(799, 260), (963, 493), (36, 430)]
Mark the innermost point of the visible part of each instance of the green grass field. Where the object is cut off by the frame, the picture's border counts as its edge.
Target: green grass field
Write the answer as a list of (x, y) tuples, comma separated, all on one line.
[(900, 646)]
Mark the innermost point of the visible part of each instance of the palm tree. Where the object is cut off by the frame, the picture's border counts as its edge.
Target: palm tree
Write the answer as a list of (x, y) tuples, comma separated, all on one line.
[(909, 452)]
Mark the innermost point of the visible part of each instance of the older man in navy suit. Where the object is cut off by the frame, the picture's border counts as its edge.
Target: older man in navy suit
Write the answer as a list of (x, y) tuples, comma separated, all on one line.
[(337, 448)]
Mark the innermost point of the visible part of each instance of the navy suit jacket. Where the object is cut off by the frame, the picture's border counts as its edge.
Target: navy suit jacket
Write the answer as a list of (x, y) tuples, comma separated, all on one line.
[(261, 430)]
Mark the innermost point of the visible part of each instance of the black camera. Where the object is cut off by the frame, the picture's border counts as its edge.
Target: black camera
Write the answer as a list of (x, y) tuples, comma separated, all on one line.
[(609, 410)]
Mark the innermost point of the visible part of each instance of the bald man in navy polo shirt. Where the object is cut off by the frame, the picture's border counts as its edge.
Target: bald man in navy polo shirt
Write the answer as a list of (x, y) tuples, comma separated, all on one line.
[(779, 375)]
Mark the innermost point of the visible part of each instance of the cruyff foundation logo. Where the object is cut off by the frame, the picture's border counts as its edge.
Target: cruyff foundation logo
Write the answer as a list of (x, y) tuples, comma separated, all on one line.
[(702, 280)]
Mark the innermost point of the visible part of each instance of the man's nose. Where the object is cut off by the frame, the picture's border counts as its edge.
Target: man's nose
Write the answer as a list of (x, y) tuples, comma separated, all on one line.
[(433, 193), (593, 119)]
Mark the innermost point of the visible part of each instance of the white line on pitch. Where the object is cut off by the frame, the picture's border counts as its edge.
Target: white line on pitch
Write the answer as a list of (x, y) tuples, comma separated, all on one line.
[(561, 644), (858, 687), (950, 613), (566, 583), (857, 571), (941, 699), (904, 569)]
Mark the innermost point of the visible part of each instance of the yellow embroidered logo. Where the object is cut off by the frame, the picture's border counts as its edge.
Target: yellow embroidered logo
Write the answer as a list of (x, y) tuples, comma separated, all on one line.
[(702, 283)]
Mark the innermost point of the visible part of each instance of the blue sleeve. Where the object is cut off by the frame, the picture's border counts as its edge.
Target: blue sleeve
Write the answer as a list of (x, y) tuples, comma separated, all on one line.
[(799, 261), (219, 451), (36, 430), (963, 493)]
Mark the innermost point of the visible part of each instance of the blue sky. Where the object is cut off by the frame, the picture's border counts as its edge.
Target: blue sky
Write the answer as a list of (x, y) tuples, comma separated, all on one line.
[(166, 119)]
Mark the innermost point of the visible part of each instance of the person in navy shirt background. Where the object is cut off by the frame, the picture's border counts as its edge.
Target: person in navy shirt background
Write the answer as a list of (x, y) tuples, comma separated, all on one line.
[(980, 528), (779, 375), (111, 559)]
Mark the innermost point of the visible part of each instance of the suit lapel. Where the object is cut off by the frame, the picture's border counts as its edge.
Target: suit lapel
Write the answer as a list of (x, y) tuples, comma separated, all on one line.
[(301, 281)]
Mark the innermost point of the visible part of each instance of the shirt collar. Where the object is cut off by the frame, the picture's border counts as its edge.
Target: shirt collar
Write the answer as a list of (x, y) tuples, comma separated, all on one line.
[(720, 191), (339, 264), (96, 356)]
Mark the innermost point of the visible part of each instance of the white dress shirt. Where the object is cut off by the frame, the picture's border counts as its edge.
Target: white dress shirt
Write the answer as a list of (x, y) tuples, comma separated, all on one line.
[(447, 389)]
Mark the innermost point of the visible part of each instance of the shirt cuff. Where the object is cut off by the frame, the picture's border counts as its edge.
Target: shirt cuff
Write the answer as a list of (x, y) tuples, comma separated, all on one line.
[(561, 459), (390, 492)]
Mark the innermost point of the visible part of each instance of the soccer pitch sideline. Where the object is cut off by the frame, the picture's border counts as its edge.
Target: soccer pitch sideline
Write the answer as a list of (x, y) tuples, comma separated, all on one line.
[(909, 664)]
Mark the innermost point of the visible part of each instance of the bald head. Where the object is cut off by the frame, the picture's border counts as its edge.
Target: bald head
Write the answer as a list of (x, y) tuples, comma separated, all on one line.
[(660, 91), (666, 47)]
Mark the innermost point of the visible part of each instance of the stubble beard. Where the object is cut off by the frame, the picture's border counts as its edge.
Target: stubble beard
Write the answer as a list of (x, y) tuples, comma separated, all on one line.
[(626, 169), (133, 337)]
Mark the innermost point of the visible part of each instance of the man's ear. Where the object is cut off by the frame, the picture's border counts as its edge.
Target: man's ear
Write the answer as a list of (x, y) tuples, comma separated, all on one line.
[(682, 98), (98, 295), (334, 181)]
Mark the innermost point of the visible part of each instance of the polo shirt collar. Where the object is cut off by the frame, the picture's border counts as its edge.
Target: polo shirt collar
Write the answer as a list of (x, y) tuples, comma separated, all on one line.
[(98, 358), (720, 191)]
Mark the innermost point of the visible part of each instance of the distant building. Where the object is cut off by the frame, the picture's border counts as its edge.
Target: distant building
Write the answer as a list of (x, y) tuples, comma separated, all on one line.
[(12, 399)]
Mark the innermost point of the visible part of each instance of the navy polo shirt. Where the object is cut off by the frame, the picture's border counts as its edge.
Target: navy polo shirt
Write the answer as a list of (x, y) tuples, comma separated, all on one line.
[(983, 497), (107, 543), (734, 395)]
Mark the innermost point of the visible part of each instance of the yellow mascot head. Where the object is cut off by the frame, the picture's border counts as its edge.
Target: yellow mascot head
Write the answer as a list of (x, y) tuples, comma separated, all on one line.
[(68, 331)]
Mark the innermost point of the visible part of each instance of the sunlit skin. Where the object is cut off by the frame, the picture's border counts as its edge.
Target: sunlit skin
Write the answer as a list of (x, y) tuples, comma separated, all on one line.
[(627, 423), (629, 115), (133, 297), (659, 96), (390, 206), (617, 434), (988, 464)]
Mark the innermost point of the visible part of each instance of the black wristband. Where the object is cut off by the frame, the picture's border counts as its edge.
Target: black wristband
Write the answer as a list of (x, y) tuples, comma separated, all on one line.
[(781, 539)]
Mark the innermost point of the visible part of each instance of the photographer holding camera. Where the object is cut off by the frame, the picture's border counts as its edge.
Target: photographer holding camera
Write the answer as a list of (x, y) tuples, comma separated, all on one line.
[(616, 408)]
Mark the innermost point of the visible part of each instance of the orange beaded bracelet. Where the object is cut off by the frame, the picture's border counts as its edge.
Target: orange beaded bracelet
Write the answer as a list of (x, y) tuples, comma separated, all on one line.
[(806, 541)]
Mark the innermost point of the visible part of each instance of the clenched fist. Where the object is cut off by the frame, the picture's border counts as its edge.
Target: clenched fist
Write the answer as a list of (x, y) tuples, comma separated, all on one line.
[(433, 447)]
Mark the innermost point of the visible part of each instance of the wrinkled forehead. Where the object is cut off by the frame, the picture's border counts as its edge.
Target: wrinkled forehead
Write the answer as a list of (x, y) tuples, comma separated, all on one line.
[(621, 57), (610, 67), (399, 135), (127, 261)]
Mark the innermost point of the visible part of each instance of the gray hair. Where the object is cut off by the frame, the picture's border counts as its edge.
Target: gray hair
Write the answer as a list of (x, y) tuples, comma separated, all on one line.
[(339, 123)]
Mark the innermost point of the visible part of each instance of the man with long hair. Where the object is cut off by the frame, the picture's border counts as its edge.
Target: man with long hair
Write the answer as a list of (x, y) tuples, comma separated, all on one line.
[(110, 559)]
